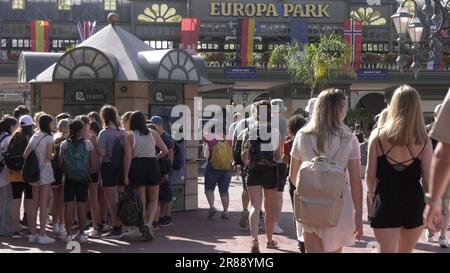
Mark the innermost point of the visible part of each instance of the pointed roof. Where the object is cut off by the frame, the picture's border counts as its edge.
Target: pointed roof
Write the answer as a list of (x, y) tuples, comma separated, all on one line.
[(126, 58), (124, 46)]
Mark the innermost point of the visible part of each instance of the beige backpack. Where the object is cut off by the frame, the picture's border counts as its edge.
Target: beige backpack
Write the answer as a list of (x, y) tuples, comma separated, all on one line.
[(318, 199)]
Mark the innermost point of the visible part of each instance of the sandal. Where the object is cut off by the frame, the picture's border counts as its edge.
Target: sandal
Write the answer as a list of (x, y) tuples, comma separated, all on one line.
[(255, 247), (272, 245)]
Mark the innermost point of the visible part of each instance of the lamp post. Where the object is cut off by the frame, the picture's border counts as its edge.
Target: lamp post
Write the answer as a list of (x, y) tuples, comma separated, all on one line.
[(427, 28)]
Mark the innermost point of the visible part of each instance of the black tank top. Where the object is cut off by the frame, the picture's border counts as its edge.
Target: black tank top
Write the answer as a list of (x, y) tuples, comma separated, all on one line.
[(398, 179)]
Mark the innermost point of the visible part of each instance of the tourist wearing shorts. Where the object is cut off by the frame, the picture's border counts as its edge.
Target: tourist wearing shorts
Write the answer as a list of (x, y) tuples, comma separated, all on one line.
[(57, 187), (111, 178), (43, 144), (262, 180), (76, 190), (18, 143), (164, 214), (94, 179), (213, 178), (398, 163), (141, 167), (8, 125)]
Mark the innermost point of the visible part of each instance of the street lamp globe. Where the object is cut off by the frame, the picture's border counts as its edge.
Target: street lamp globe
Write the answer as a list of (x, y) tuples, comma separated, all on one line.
[(415, 30), (401, 20)]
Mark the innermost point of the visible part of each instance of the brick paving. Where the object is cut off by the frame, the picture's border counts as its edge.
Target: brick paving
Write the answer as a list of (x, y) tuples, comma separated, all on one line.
[(192, 232)]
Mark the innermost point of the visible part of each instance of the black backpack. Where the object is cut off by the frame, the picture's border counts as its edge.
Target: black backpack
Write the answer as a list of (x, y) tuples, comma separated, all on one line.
[(31, 171), (57, 171), (2, 161), (237, 156), (13, 156), (130, 209), (260, 160)]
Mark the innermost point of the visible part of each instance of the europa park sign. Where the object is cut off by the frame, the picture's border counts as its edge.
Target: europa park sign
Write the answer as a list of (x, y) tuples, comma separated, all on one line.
[(227, 9)]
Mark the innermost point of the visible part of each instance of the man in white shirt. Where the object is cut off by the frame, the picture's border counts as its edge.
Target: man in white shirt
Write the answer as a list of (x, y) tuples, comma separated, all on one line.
[(440, 170)]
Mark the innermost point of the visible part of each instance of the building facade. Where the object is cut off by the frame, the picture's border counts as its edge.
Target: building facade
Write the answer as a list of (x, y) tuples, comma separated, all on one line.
[(157, 23)]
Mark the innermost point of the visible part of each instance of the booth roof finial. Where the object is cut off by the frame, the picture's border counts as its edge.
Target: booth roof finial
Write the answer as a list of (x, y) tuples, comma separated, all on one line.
[(113, 18)]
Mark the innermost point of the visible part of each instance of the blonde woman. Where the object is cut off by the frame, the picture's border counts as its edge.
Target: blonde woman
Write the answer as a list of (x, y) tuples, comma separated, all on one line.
[(399, 156), (57, 186), (325, 134)]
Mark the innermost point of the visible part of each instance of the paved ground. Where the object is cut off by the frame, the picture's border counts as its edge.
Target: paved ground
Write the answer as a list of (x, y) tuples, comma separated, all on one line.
[(192, 232)]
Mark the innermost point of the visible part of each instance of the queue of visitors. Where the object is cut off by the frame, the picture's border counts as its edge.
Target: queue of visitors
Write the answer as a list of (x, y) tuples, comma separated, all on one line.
[(76, 169)]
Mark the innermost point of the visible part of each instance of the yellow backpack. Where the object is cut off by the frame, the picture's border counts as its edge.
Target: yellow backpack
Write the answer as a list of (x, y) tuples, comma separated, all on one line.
[(222, 156)]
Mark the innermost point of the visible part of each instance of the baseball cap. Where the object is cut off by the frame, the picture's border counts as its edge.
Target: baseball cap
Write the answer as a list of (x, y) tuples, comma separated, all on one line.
[(156, 120), (26, 120), (280, 104)]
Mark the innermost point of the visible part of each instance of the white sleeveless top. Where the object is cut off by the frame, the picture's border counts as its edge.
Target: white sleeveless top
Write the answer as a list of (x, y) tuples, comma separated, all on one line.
[(144, 145)]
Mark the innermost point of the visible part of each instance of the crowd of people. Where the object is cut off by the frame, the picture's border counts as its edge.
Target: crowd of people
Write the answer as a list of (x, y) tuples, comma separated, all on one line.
[(82, 163), (396, 160), (85, 161)]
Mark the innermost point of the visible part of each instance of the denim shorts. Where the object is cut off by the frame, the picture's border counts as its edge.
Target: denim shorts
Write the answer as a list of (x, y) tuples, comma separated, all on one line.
[(214, 177)]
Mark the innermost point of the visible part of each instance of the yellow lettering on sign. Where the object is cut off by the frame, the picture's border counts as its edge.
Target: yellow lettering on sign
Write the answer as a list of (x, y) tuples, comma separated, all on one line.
[(250, 10), (260, 8), (226, 9), (310, 10), (298, 11), (214, 9), (323, 11), (272, 11), (288, 9), (238, 9)]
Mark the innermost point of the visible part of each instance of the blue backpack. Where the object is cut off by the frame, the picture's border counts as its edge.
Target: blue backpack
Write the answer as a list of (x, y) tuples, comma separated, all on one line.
[(76, 160)]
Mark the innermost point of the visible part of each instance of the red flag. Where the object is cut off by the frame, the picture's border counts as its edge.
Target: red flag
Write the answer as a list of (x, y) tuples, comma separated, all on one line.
[(190, 32), (247, 37), (353, 35), (39, 30)]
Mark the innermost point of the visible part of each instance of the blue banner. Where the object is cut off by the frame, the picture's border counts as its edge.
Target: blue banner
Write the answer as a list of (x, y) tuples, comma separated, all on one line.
[(240, 72), (299, 31), (372, 74)]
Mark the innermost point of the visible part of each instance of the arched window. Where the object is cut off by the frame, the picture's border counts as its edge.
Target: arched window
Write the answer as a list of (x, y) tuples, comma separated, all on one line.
[(84, 63)]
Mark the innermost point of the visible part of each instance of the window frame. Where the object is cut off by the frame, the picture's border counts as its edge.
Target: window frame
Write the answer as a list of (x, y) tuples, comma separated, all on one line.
[(65, 5), (110, 5), (18, 7)]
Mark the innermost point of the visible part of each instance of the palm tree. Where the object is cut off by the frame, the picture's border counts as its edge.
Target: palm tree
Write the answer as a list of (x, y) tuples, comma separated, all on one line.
[(318, 63)]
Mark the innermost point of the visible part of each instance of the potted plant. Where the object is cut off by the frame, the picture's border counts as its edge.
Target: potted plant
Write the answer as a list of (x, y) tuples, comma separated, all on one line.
[(390, 58), (371, 57)]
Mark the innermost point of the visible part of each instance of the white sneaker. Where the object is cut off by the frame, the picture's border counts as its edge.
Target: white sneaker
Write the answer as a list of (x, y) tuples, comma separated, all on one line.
[(32, 238), (443, 242), (92, 233), (67, 239), (56, 228), (82, 239), (62, 232), (277, 229), (429, 236), (45, 240), (133, 233)]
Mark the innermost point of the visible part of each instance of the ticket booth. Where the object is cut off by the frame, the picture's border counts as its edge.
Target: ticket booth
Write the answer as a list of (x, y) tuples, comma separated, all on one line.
[(115, 67)]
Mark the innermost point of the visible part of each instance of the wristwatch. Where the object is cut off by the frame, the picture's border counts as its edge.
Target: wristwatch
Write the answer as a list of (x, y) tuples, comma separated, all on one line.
[(430, 201)]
